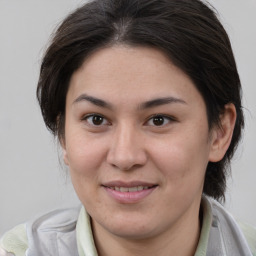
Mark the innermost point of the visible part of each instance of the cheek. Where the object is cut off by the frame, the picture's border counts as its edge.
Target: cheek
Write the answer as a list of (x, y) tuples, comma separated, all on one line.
[(84, 155), (182, 167), (182, 159), (85, 159)]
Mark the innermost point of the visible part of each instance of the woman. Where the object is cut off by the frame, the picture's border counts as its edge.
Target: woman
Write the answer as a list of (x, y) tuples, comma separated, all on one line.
[(144, 97)]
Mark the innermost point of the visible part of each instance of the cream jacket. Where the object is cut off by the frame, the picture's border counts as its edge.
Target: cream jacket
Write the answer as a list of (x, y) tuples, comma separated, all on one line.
[(68, 233)]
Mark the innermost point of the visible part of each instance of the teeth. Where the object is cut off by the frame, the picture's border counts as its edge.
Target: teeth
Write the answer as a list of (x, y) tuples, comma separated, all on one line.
[(122, 189), (140, 188), (132, 189)]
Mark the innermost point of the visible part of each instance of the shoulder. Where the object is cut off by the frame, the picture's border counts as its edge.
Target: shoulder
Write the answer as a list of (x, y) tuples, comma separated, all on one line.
[(25, 239), (60, 219), (236, 233), (250, 235), (14, 241)]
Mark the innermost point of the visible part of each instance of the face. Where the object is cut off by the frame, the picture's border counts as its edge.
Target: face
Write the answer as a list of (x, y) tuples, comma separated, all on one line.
[(136, 141)]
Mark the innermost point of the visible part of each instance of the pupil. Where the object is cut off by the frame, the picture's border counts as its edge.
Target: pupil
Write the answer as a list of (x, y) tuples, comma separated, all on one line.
[(97, 120), (158, 120)]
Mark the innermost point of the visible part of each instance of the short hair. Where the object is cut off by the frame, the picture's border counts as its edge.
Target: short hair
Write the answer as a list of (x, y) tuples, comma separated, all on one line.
[(187, 31)]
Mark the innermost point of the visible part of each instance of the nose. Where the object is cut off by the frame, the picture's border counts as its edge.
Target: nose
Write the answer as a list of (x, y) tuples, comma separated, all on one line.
[(127, 149)]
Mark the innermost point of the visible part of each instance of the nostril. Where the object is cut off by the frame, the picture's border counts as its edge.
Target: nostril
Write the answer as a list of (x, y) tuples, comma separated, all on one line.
[(126, 152)]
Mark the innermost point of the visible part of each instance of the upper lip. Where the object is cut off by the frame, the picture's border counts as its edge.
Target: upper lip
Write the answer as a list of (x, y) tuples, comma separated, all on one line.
[(129, 184)]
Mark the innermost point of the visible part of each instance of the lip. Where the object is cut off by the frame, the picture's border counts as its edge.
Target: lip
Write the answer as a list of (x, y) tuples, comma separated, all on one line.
[(128, 184), (129, 197)]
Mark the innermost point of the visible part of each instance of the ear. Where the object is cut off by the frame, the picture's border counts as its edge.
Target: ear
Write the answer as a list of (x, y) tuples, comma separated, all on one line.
[(64, 150), (222, 134)]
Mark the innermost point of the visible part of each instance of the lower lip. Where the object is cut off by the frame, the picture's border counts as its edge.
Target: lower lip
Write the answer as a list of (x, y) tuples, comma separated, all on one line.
[(129, 197)]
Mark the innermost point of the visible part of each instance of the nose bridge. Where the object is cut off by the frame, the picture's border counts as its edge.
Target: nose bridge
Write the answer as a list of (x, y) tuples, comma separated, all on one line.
[(126, 150)]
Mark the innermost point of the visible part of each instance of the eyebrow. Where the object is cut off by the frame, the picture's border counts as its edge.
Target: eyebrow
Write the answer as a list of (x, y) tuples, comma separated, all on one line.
[(160, 102), (93, 100), (145, 105)]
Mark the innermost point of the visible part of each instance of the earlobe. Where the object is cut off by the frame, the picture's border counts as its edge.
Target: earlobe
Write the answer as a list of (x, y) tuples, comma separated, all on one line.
[(64, 151), (65, 156), (222, 134)]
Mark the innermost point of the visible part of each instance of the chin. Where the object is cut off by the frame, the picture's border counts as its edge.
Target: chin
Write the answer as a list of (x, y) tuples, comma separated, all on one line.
[(132, 233), (130, 227)]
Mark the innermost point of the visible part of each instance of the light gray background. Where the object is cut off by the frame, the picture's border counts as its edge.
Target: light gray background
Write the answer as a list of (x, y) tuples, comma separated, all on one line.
[(32, 180)]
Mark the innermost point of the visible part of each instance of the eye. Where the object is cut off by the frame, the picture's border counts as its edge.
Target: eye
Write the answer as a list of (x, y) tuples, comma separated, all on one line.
[(159, 120), (95, 120)]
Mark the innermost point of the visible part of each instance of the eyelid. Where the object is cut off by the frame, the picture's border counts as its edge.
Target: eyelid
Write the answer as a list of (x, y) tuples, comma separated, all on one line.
[(170, 119), (86, 117)]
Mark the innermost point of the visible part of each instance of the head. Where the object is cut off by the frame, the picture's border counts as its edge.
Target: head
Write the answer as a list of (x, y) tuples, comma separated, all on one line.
[(187, 32)]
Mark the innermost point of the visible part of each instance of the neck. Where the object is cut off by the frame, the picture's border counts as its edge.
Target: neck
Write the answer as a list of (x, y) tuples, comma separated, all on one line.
[(181, 240)]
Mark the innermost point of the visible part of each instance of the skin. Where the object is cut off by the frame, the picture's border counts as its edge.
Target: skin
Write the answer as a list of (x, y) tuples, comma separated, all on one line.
[(125, 144)]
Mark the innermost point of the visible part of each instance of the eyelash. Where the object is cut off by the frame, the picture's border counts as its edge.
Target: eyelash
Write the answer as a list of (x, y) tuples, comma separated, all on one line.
[(86, 118), (166, 119)]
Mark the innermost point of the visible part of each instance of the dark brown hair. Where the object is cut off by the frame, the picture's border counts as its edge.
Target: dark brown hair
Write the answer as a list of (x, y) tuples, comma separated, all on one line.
[(187, 31)]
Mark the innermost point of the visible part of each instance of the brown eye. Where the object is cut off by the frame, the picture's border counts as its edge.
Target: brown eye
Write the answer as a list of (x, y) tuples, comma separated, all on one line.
[(158, 120), (96, 120)]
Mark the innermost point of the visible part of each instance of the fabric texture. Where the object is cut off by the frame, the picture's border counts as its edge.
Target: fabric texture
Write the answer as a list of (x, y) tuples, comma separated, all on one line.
[(250, 235), (5, 253), (15, 241), (68, 232)]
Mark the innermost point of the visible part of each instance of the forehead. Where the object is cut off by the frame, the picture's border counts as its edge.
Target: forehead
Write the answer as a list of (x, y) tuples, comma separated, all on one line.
[(127, 73)]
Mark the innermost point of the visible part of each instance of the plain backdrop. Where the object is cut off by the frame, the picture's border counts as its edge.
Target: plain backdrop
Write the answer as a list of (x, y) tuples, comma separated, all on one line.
[(32, 178)]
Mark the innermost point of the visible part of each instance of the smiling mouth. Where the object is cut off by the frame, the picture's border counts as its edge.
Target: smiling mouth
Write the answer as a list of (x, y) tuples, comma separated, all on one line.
[(131, 189), (129, 193)]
